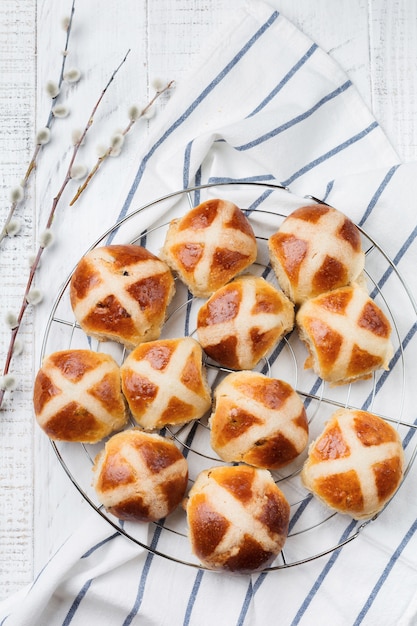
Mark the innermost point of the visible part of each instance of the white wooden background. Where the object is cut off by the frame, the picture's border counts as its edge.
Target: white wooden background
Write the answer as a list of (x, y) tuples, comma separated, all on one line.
[(375, 41)]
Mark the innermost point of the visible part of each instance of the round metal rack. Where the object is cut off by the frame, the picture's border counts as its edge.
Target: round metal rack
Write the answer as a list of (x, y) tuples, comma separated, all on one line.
[(314, 529)]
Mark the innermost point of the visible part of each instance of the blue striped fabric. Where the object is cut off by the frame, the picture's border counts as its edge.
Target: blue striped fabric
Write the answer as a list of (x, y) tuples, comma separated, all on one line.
[(233, 122)]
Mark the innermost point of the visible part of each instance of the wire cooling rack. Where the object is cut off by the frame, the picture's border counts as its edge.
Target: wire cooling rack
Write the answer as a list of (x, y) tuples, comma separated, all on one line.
[(314, 530)]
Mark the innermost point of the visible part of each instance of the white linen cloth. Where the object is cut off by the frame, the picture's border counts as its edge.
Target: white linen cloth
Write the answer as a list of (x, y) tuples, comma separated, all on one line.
[(262, 103)]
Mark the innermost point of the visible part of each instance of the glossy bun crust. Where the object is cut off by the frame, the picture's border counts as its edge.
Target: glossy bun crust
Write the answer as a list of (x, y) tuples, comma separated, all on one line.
[(140, 476), (77, 396), (209, 246), (237, 518), (164, 383), (242, 321), (258, 420), (347, 334), (356, 464), (121, 293), (316, 249)]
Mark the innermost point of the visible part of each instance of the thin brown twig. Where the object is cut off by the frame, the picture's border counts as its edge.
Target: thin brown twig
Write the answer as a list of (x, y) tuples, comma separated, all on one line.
[(32, 164), (55, 202), (109, 150)]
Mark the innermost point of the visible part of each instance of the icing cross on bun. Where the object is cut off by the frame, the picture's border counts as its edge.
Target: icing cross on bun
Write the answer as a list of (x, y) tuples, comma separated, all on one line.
[(257, 420), (77, 396), (209, 246), (316, 249), (140, 476), (120, 293), (164, 383), (356, 465), (347, 335), (237, 518), (243, 320)]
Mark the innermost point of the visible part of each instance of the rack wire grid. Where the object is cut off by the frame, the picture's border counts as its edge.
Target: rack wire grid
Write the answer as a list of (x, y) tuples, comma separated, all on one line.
[(314, 529)]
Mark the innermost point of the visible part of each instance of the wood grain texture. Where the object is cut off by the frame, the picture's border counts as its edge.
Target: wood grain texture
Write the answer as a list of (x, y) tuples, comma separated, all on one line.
[(17, 104), (373, 40), (393, 70)]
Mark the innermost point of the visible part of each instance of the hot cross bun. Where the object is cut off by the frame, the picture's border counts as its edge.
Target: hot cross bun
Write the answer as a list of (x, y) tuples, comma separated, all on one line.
[(257, 420), (237, 518), (356, 464), (316, 249), (77, 396), (209, 246), (121, 293), (164, 382), (242, 321), (347, 335), (140, 476)]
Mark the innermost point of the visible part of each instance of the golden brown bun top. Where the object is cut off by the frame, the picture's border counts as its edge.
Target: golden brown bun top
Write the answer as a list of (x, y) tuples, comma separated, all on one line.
[(77, 396), (238, 518), (243, 320), (348, 335), (316, 249), (210, 245), (258, 420), (356, 464), (140, 476), (121, 292), (165, 383)]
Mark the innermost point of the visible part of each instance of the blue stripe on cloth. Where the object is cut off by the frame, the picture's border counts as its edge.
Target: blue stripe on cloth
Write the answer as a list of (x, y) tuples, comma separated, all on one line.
[(192, 597), (143, 578), (328, 190), (245, 179), (202, 96), (378, 193), (330, 153), (377, 588), (295, 120), (407, 243), (285, 80), (326, 569), (77, 602), (98, 545), (186, 167), (299, 512), (197, 181), (188, 313), (259, 200), (189, 439), (409, 436), (246, 604), (46, 564), (393, 361)]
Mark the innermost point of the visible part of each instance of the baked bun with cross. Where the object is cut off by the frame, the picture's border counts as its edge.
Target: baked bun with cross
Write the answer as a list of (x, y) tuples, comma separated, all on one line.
[(356, 465), (242, 321), (316, 249), (121, 293), (237, 518), (209, 246), (77, 396), (164, 382), (140, 476), (257, 420), (347, 335)]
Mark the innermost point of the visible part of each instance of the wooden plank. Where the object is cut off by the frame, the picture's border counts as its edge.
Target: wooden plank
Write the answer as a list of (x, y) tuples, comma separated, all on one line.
[(17, 105), (393, 59)]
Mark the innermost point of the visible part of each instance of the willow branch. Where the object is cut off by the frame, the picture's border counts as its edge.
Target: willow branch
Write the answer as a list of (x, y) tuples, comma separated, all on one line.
[(108, 152), (55, 202), (32, 164)]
